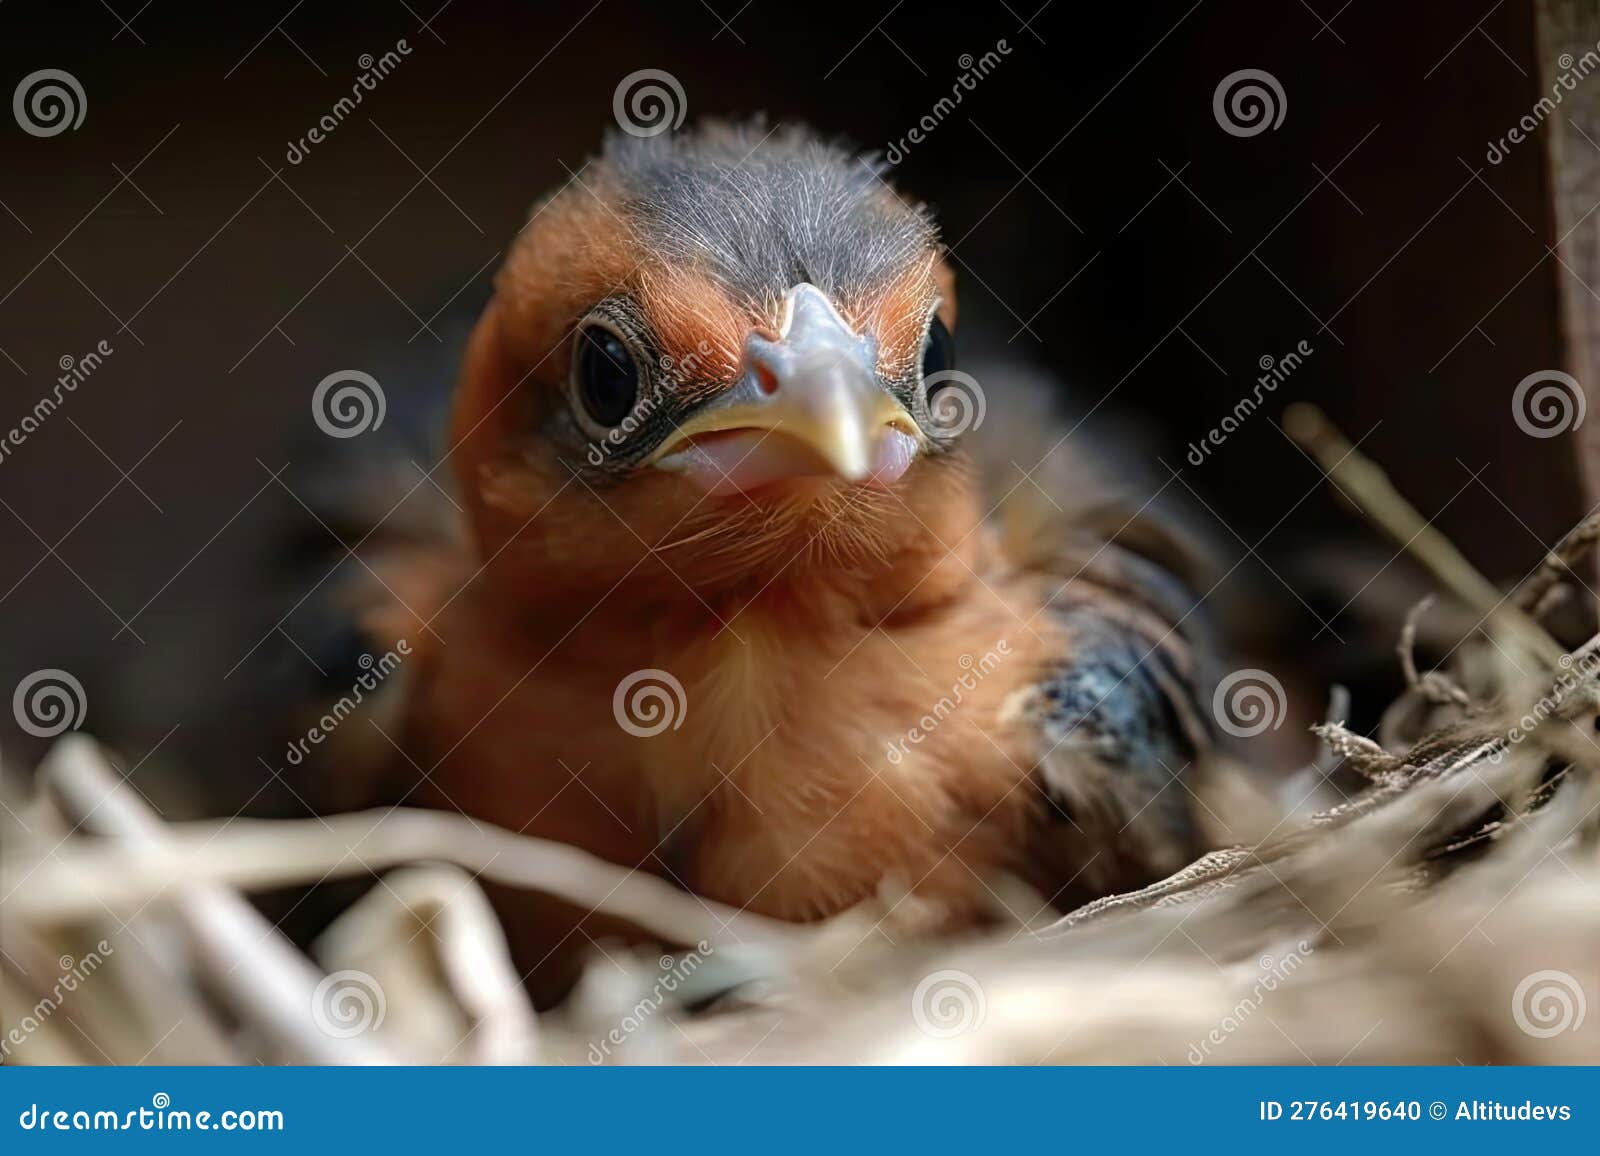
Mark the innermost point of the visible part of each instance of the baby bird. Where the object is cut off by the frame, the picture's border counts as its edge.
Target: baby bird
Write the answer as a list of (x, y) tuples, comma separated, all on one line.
[(731, 605)]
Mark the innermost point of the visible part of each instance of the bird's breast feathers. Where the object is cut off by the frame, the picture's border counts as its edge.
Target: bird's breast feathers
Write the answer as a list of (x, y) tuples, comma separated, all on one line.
[(789, 764)]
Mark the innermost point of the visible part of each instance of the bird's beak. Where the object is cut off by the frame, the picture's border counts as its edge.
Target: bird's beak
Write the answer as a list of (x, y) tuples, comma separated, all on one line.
[(808, 403)]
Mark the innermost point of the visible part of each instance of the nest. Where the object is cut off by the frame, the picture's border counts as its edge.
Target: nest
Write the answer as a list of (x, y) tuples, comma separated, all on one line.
[(1448, 912)]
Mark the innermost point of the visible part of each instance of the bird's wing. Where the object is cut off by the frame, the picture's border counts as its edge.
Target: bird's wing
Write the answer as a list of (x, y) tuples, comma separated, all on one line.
[(1121, 716), (379, 546), (1119, 723)]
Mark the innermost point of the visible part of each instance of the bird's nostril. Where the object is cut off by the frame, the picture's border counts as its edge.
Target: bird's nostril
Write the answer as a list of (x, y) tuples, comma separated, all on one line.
[(766, 380)]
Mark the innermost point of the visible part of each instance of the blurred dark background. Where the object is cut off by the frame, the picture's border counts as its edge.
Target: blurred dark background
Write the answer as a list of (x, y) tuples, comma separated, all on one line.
[(1102, 222)]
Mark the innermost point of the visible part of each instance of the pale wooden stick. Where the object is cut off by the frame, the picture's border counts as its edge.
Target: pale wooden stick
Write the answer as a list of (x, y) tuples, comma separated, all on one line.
[(253, 968), (137, 1014), (1434, 686), (254, 854), (1361, 478), (1338, 714), (1560, 561), (432, 939), (1362, 753)]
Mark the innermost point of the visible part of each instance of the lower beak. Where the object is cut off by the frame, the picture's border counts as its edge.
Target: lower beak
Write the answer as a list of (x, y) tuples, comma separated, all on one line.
[(807, 404)]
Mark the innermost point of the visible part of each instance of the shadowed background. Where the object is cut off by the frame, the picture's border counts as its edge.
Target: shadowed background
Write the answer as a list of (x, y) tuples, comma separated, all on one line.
[(1102, 224)]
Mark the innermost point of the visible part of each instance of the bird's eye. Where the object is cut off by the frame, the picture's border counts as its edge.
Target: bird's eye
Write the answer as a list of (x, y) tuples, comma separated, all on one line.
[(938, 352), (605, 376)]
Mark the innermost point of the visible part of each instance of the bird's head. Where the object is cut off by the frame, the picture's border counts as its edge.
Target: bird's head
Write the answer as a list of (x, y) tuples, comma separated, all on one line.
[(713, 350)]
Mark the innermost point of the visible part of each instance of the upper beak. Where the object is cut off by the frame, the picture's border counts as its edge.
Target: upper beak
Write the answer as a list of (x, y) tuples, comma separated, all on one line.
[(813, 398)]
